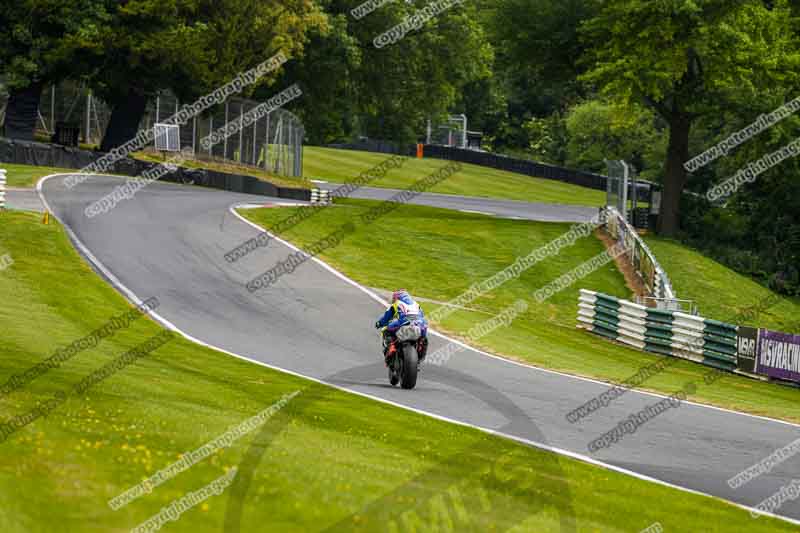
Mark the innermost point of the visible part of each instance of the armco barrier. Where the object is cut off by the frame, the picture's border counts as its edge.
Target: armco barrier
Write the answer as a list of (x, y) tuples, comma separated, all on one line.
[(51, 155), (484, 159), (671, 333), (519, 166), (643, 260)]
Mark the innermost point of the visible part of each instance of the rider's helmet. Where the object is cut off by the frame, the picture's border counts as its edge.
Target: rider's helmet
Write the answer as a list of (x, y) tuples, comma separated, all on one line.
[(399, 293)]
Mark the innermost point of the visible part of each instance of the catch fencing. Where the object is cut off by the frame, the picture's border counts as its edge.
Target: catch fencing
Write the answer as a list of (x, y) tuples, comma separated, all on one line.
[(273, 143)]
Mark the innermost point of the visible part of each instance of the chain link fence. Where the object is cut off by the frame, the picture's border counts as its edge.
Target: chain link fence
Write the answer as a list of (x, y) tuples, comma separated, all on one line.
[(273, 143)]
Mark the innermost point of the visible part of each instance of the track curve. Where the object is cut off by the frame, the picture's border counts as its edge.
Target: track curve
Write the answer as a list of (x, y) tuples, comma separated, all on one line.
[(170, 240)]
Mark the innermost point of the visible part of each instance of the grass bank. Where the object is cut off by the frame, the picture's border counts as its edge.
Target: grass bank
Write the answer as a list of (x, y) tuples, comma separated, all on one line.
[(342, 166)]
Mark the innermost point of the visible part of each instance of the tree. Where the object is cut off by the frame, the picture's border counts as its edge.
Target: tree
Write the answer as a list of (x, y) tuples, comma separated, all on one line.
[(600, 130), (688, 60), (188, 46), (326, 72), (38, 45), (538, 49), (387, 93)]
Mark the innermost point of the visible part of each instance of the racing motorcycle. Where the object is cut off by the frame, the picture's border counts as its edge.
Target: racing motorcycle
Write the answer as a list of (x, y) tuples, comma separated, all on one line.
[(405, 352)]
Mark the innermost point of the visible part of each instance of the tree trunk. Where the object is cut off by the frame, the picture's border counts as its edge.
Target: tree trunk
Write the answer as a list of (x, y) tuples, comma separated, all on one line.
[(675, 175), (22, 111), (126, 115)]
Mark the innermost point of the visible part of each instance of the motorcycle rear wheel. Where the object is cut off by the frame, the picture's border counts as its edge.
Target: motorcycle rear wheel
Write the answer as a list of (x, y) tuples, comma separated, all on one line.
[(408, 371)]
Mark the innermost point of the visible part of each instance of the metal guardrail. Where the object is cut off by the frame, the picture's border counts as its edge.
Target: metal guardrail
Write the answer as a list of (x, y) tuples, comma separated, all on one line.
[(643, 260)]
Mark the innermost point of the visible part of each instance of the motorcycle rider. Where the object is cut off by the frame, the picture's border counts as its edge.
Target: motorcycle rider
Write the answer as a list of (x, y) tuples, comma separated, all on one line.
[(403, 311)]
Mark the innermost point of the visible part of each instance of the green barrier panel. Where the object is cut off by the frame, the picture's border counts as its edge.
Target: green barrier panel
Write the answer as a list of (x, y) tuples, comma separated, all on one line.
[(719, 356), (720, 365), (725, 349), (601, 314), (719, 339), (606, 325), (607, 308), (658, 341), (607, 300), (658, 333), (657, 349), (720, 328), (599, 330), (655, 326)]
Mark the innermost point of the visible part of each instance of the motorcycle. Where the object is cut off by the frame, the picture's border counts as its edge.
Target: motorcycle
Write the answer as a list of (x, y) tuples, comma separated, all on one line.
[(405, 352)]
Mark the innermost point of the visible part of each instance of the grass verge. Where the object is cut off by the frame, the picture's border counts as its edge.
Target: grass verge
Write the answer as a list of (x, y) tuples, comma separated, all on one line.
[(342, 166), (719, 291), (326, 458), (232, 168), (455, 250), (24, 176)]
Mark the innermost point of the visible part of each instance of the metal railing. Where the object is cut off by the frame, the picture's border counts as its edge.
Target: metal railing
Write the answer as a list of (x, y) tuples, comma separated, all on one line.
[(643, 260)]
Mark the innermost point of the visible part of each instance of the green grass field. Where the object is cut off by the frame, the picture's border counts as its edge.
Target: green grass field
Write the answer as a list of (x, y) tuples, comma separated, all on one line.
[(24, 176), (342, 166), (326, 458), (454, 254)]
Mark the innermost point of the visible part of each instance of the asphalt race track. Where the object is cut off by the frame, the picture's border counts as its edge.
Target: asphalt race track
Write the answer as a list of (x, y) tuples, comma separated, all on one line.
[(23, 199), (489, 206), (170, 240)]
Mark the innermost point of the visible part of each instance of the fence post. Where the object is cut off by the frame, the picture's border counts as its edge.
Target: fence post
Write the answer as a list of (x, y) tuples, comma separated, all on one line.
[(88, 116), (53, 108), (2, 189), (241, 133), (266, 149), (210, 131), (225, 129), (255, 134)]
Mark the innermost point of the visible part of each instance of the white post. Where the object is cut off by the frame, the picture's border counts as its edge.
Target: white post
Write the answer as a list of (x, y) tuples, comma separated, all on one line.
[(428, 136), (2, 189)]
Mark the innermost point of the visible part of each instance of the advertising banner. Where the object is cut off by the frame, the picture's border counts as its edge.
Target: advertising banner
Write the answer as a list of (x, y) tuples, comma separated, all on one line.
[(746, 349), (779, 355)]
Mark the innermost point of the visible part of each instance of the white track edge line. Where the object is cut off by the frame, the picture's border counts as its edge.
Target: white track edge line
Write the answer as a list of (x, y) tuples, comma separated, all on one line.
[(377, 298), (584, 458)]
